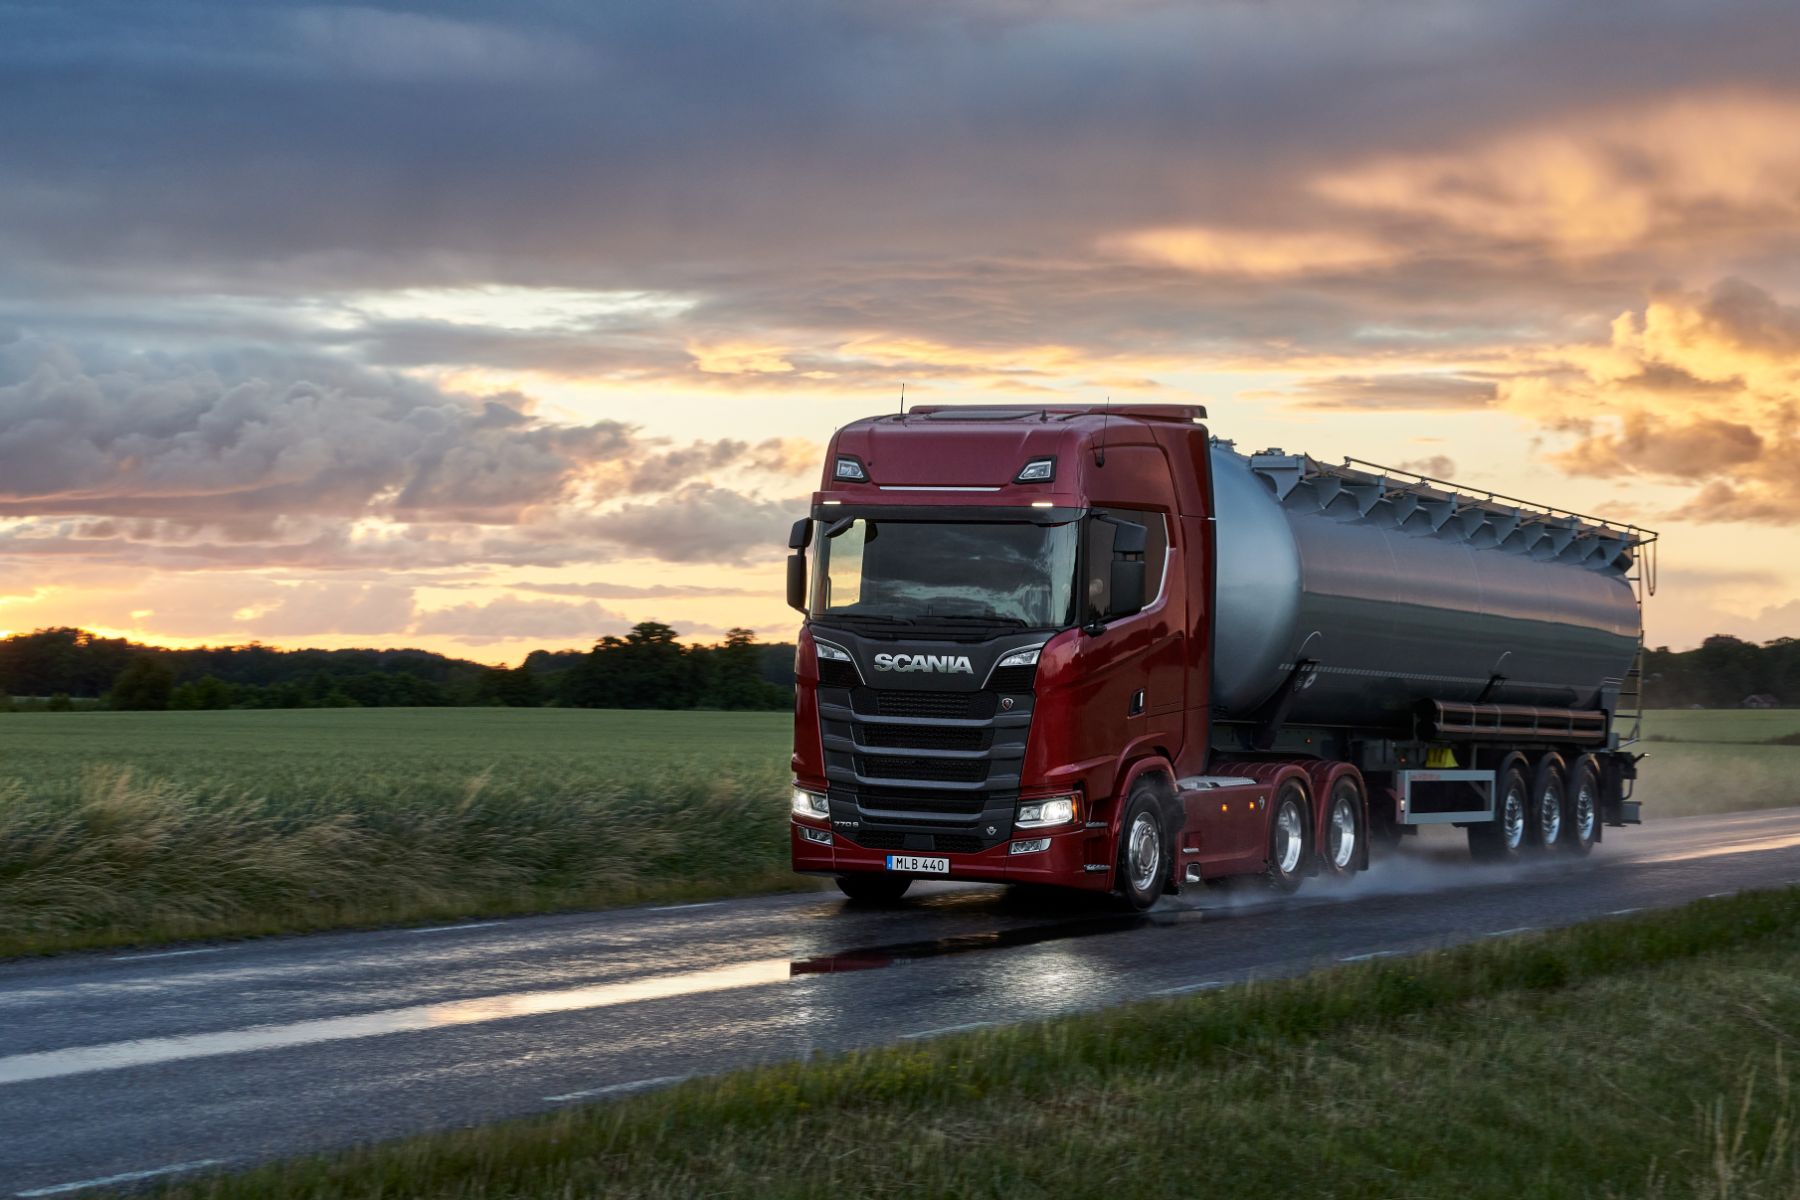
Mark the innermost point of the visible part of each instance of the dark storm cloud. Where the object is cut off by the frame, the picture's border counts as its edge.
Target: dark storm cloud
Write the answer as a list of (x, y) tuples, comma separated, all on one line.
[(807, 164)]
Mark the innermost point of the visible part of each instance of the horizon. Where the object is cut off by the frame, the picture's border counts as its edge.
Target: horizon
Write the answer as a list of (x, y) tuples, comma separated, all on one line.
[(485, 331)]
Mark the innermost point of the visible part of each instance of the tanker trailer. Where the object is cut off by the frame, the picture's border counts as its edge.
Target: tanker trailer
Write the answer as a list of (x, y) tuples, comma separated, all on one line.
[(1376, 609), (1095, 648)]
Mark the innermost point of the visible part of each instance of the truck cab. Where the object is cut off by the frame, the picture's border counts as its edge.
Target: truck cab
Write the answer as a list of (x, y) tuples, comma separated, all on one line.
[(1006, 621)]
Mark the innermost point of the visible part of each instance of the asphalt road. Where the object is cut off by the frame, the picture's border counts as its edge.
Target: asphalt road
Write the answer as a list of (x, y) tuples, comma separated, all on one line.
[(115, 1067)]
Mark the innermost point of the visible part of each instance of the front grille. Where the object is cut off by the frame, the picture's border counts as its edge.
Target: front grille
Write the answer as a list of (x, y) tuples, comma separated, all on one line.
[(1013, 679), (928, 704), (943, 843), (941, 770), (902, 800), (835, 672), (923, 737)]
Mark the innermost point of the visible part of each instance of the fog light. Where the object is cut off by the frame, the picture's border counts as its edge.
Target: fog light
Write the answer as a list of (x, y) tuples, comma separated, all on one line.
[(1032, 846), (815, 835)]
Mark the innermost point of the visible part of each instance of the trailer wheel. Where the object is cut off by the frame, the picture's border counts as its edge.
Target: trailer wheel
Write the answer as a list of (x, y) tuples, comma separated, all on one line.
[(1503, 838), (1289, 841), (1144, 858), (1344, 829), (1548, 800), (873, 889), (1581, 807)]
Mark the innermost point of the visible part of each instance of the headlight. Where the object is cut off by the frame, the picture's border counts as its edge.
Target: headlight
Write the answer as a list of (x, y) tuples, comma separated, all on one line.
[(834, 653), (810, 804), (1055, 810), (1022, 658)]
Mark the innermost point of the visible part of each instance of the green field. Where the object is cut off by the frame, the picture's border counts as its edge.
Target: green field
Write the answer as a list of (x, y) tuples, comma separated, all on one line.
[(150, 826), (1645, 1057), (119, 827)]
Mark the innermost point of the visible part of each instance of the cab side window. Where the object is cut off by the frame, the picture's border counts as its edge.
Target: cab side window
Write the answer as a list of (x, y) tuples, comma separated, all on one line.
[(1156, 545)]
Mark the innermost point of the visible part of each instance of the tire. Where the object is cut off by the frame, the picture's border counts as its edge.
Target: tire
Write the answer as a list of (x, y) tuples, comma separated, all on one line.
[(1582, 800), (1544, 829), (1144, 860), (1345, 843), (1503, 838), (1290, 838), (873, 889)]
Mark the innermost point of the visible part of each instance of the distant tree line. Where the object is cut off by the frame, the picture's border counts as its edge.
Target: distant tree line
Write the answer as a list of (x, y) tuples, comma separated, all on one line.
[(1724, 672), (65, 668)]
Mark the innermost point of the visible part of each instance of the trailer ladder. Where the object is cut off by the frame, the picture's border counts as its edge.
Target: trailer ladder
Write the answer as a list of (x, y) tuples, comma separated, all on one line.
[(1631, 690)]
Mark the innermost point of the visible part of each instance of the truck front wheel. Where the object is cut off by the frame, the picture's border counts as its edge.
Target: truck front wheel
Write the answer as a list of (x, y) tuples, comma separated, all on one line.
[(873, 889), (1144, 857)]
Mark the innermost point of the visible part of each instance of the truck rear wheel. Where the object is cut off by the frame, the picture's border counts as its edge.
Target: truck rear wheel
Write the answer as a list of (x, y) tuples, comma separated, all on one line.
[(1545, 828), (1344, 833), (1503, 838), (1289, 842), (1144, 856), (1581, 807), (873, 889)]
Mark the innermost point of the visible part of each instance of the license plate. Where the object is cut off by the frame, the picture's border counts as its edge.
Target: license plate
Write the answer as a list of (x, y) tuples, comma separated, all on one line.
[(918, 866)]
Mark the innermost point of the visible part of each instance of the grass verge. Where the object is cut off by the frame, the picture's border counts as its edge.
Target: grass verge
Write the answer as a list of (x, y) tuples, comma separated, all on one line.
[(128, 859), (1638, 1057)]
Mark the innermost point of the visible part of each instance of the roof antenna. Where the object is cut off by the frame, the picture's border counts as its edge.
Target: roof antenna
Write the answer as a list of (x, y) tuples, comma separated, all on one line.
[(903, 400), (1100, 447)]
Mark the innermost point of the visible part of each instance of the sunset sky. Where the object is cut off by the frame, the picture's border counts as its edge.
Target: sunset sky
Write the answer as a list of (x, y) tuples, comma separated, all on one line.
[(493, 327)]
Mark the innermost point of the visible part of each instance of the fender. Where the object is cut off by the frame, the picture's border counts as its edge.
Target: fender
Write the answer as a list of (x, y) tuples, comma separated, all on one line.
[(1272, 775), (1154, 763)]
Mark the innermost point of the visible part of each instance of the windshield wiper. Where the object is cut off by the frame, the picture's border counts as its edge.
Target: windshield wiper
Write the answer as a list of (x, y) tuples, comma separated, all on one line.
[(974, 619), (883, 618)]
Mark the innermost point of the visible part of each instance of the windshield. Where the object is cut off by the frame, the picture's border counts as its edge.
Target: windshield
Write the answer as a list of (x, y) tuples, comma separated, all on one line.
[(1008, 573)]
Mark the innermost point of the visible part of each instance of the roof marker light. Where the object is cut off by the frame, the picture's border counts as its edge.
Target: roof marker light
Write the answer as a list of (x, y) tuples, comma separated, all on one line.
[(1043, 504), (1038, 470)]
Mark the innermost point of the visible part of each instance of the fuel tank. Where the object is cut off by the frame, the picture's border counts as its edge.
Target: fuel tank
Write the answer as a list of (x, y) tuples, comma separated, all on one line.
[(1389, 589)]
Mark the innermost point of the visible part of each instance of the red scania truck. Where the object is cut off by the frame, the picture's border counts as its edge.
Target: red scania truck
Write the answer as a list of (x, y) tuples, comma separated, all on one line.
[(1099, 649)]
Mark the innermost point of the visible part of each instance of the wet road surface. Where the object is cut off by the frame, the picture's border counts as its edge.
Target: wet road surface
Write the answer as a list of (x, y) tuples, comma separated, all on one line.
[(122, 1066)]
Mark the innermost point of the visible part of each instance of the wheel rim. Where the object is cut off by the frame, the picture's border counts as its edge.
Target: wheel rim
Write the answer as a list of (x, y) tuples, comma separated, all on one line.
[(1343, 833), (1550, 814), (1585, 809), (1289, 837), (1512, 818), (1145, 854)]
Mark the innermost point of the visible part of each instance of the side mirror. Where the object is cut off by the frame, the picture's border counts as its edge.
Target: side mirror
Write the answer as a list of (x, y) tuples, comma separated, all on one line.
[(1127, 587), (800, 536), (1127, 581), (796, 581)]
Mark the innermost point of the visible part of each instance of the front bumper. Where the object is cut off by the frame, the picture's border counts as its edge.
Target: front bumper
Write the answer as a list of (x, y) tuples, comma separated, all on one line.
[(1077, 858)]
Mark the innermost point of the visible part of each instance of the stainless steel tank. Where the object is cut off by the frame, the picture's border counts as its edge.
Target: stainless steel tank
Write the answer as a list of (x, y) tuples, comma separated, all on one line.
[(1400, 589)]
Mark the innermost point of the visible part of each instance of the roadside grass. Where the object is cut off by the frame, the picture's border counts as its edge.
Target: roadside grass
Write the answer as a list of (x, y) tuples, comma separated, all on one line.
[(1647, 1057), (120, 828)]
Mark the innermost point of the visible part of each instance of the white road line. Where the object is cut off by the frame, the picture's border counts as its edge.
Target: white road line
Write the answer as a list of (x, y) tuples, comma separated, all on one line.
[(1619, 912), (1369, 955), (112, 1056), (59, 1189), (1205, 985), (618, 1089), (925, 1033), (167, 954), (454, 928), (679, 907), (1510, 932)]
